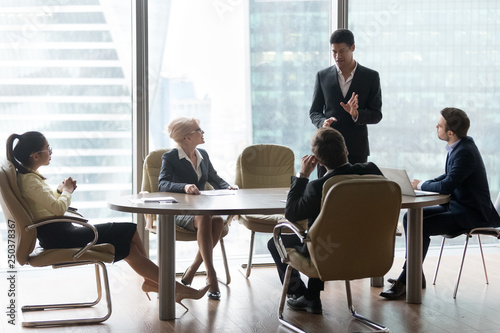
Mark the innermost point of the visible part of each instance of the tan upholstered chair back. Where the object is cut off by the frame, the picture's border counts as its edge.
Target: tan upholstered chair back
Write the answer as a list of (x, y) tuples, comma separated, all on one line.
[(16, 212), (354, 235), (265, 166), (337, 179), (151, 171)]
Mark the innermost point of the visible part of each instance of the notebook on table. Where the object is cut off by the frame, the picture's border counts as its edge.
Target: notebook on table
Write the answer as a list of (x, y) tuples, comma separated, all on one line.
[(400, 176)]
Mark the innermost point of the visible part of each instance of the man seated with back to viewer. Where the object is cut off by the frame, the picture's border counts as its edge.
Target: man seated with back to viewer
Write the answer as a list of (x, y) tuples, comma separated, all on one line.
[(465, 180), (304, 202)]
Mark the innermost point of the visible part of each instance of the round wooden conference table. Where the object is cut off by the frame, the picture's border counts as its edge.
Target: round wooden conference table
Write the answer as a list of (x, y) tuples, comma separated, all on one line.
[(250, 201), (243, 201)]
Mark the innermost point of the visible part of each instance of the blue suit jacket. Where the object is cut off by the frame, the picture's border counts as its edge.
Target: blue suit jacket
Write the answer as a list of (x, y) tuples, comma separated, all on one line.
[(304, 197), (465, 180), (176, 173), (326, 103)]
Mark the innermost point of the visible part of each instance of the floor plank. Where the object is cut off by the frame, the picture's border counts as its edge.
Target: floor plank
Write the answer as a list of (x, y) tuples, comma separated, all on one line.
[(250, 305)]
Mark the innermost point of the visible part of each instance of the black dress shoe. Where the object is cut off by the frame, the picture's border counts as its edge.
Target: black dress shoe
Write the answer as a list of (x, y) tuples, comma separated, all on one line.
[(396, 291), (303, 304), (215, 295), (424, 283)]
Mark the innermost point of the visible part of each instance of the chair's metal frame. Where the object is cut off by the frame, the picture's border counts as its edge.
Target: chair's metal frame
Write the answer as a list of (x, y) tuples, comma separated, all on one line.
[(246, 269), (495, 232), (62, 306), (299, 231), (97, 264), (16, 211), (486, 231), (223, 250)]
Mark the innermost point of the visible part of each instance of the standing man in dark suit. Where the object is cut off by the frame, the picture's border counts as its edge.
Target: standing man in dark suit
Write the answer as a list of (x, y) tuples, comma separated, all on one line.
[(464, 180), (304, 202), (347, 97)]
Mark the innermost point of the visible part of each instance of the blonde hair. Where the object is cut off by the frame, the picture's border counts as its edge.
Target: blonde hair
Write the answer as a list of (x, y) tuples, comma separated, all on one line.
[(182, 126)]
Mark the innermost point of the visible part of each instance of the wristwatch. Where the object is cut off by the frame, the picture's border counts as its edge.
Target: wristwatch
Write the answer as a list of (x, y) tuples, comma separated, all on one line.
[(300, 175)]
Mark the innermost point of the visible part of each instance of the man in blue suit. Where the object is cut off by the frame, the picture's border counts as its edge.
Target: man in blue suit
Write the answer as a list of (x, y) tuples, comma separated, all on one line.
[(347, 97), (464, 180)]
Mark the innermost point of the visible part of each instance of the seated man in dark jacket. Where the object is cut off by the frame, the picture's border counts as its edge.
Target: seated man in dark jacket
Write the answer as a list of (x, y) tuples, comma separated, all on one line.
[(304, 202), (464, 179)]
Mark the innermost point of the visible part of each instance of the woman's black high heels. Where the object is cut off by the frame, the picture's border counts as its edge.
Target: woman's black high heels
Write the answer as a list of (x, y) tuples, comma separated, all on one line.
[(184, 282), (215, 296)]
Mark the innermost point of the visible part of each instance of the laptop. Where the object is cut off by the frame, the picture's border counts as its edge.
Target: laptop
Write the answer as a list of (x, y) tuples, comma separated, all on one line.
[(400, 177)]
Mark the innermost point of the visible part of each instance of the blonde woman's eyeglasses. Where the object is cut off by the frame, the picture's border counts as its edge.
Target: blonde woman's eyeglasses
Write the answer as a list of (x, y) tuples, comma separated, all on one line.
[(197, 130)]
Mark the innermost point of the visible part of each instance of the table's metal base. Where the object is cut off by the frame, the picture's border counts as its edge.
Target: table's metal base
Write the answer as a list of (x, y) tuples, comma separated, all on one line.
[(166, 260), (414, 259), (377, 281)]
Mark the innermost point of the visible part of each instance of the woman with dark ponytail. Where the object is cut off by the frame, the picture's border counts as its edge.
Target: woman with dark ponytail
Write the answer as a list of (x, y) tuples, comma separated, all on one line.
[(22, 151), (32, 151)]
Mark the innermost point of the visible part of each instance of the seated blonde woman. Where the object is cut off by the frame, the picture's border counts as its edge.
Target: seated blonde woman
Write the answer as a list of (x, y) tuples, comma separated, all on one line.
[(186, 169)]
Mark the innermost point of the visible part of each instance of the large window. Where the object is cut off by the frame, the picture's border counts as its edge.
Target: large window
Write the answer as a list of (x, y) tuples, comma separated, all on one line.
[(66, 72), (430, 55), (246, 69), (288, 45)]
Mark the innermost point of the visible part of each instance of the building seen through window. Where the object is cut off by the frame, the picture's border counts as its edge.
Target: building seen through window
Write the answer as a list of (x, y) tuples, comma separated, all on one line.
[(430, 55), (66, 72), (246, 69)]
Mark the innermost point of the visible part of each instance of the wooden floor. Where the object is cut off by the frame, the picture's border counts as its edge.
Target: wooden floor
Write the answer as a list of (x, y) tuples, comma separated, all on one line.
[(250, 305)]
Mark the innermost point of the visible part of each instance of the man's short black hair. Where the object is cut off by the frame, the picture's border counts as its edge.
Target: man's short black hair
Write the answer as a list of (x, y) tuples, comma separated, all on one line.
[(342, 36)]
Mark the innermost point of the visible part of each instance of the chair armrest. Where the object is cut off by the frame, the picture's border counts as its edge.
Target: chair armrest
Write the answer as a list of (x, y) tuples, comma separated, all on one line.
[(229, 219), (73, 210), (295, 227), (68, 219), (489, 231)]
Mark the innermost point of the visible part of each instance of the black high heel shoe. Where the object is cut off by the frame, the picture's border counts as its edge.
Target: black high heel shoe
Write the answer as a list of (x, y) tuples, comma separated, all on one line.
[(184, 282), (213, 295)]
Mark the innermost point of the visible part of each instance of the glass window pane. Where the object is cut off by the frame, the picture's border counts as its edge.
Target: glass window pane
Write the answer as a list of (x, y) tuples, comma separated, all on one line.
[(246, 69), (289, 43), (66, 72), (430, 55)]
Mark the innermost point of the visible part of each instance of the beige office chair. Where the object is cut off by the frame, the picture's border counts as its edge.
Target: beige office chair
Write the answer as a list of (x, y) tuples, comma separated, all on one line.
[(352, 238), (263, 166), (495, 232), (20, 224), (151, 172)]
